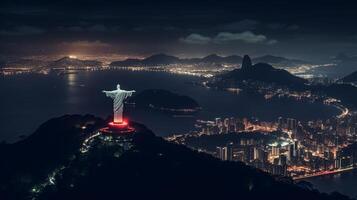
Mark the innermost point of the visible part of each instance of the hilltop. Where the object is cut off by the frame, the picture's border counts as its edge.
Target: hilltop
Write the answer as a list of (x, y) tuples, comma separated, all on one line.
[(260, 72), (50, 165)]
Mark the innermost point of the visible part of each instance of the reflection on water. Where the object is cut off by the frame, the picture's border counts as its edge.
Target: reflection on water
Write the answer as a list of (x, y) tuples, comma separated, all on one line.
[(73, 87), (32, 99), (71, 79)]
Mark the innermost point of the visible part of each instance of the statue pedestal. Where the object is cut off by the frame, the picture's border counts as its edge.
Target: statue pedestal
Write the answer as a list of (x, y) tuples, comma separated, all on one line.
[(118, 129)]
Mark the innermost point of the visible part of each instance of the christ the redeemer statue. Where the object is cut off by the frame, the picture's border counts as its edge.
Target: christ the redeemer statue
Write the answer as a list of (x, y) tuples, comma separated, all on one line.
[(118, 97)]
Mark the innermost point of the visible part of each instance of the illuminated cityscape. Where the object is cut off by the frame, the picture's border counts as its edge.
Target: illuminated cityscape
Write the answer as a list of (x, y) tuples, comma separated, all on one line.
[(291, 148), (204, 99)]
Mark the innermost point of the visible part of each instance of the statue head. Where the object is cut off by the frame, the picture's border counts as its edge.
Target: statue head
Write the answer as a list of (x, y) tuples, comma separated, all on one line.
[(118, 86)]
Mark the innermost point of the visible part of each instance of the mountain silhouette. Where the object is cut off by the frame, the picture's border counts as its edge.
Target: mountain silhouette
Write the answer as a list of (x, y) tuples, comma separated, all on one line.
[(163, 59), (246, 63), (260, 72), (351, 78), (50, 165), (74, 62)]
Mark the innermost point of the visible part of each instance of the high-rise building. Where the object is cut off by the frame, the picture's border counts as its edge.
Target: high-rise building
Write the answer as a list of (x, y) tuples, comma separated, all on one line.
[(290, 152), (275, 150), (222, 153), (282, 160), (291, 124), (218, 122), (239, 156), (296, 148), (226, 122), (240, 126), (280, 123), (260, 154), (278, 170), (230, 151)]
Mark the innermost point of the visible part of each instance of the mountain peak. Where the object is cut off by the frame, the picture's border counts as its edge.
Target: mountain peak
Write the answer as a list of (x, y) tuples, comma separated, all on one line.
[(161, 58), (66, 58), (247, 62), (160, 55), (260, 72), (213, 56)]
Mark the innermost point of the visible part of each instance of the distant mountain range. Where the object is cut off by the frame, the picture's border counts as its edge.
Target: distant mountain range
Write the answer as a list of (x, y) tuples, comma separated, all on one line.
[(154, 60), (22, 62), (73, 62), (261, 72), (49, 164), (351, 78), (163, 59), (60, 63), (278, 60), (342, 66)]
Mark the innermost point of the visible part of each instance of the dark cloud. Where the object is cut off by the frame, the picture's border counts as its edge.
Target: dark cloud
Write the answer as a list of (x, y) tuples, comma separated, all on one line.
[(195, 38), (228, 37), (324, 27), (24, 10), (21, 31), (246, 36)]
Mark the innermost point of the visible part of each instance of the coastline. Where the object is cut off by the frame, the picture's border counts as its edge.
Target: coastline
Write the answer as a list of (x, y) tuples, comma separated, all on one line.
[(337, 171)]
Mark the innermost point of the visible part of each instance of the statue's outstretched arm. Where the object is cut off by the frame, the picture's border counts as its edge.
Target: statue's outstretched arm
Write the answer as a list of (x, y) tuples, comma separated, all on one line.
[(109, 93), (129, 93)]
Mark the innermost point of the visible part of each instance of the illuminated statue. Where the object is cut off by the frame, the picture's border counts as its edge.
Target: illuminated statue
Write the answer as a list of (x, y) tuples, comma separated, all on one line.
[(118, 97)]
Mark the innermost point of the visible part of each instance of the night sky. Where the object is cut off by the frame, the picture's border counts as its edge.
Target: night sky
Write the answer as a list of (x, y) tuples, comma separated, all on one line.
[(312, 30)]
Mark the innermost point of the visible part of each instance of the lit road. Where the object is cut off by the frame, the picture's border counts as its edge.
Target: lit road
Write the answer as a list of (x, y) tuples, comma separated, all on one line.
[(323, 173)]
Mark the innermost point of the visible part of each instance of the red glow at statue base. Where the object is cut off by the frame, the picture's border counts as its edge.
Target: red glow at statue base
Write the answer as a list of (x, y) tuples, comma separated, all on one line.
[(118, 125), (120, 128)]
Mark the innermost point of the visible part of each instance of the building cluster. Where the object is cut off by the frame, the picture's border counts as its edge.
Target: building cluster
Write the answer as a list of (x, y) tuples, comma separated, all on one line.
[(285, 147), (269, 156), (229, 125)]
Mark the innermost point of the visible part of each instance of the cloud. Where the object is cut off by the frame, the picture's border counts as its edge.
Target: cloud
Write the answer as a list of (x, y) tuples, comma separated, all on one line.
[(271, 42), (246, 36), (26, 10), (22, 30), (195, 38), (227, 37)]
